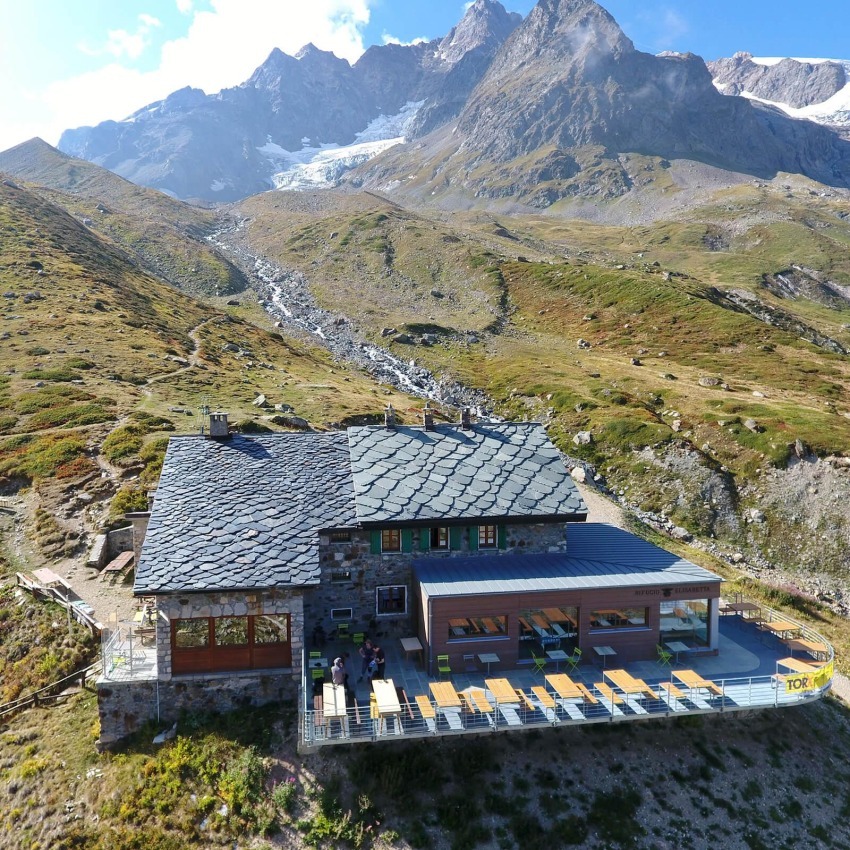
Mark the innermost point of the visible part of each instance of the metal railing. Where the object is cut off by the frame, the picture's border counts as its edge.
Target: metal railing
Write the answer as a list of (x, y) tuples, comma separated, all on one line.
[(421, 718), (127, 653)]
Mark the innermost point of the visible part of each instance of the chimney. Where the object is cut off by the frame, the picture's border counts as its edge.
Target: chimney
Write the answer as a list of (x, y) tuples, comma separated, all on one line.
[(428, 416), (218, 425), (465, 419), (389, 417)]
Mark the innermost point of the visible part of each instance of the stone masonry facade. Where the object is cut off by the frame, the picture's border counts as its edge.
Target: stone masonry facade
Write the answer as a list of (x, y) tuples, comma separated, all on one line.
[(185, 606), (351, 573)]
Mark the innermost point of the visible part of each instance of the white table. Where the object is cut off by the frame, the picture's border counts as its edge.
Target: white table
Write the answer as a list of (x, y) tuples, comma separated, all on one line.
[(604, 652), (411, 644), (386, 698), (334, 705), (557, 655), (677, 646), (488, 658)]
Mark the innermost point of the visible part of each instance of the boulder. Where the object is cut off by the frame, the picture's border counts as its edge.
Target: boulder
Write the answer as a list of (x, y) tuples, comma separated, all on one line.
[(387, 331), (578, 474), (583, 438), (229, 346), (706, 381), (752, 425), (403, 339), (290, 421), (582, 343), (259, 401)]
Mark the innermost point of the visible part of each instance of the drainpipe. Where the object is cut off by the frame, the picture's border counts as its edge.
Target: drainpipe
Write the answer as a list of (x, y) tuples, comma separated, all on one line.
[(430, 634)]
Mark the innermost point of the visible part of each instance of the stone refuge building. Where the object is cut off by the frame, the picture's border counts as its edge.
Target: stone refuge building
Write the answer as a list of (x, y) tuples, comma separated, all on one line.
[(469, 536)]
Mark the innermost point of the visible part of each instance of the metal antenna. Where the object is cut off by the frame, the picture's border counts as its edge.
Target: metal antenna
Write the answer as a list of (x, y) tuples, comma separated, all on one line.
[(203, 416)]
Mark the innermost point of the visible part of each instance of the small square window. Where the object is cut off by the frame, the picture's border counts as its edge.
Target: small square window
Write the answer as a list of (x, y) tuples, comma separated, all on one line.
[(391, 600), (391, 540), (338, 614), (486, 536), (340, 537), (439, 538)]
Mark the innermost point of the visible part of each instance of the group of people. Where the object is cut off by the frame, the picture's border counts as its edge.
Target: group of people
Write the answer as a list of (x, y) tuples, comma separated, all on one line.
[(372, 665)]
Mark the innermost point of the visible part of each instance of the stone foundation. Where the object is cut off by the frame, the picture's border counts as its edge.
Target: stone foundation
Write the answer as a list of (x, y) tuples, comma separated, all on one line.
[(124, 707)]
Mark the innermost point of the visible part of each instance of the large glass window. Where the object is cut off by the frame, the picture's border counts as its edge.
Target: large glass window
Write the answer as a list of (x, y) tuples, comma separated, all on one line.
[(231, 631), (486, 536), (543, 630), (391, 600), (684, 621), (191, 634), (619, 618), (391, 540), (271, 629), (463, 628)]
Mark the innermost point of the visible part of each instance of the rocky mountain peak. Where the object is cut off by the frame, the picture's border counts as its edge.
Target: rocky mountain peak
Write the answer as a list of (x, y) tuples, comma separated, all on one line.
[(486, 24), (793, 82)]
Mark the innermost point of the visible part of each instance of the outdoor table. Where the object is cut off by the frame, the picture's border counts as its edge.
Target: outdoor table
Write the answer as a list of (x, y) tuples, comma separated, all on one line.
[(780, 628), (502, 690), (334, 705), (802, 645), (677, 646), (411, 644), (603, 652), (694, 681), (386, 698), (743, 608), (488, 658), (796, 665), (563, 685), (557, 655), (628, 684), (444, 694)]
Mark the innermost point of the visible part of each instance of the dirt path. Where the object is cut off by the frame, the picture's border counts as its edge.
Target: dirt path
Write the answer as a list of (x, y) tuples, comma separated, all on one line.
[(600, 508)]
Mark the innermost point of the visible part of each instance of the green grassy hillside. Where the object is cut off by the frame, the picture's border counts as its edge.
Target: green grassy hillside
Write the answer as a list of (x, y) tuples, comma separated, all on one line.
[(164, 235)]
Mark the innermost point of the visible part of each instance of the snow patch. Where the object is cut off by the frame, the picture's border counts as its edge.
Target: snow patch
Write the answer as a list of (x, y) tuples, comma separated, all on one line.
[(834, 111), (323, 165)]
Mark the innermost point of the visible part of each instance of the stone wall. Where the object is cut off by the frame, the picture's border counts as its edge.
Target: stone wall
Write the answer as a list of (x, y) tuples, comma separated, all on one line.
[(366, 572), (223, 604), (124, 707)]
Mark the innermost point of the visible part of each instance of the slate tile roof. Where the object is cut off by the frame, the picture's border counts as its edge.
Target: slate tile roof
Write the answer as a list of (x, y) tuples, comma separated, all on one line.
[(493, 471), (598, 556), (244, 513)]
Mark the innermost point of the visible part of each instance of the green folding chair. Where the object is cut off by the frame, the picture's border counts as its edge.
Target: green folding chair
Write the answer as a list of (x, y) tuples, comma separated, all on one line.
[(539, 663), (359, 638), (317, 673), (665, 657), (443, 666), (342, 630), (315, 653), (575, 659)]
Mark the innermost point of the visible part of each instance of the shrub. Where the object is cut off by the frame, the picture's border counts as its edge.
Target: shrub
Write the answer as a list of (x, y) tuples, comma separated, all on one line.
[(127, 500)]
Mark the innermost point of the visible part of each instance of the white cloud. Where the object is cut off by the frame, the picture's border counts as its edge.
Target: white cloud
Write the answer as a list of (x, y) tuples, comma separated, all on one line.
[(386, 38), (184, 6), (673, 26), (222, 48), (121, 43)]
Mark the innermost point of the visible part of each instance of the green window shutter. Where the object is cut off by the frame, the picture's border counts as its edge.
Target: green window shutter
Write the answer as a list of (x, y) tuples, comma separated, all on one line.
[(502, 533), (473, 538), (424, 539), (407, 540), (376, 542), (455, 537)]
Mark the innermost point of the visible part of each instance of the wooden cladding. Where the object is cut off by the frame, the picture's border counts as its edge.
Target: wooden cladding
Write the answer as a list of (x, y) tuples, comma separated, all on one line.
[(220, 644)]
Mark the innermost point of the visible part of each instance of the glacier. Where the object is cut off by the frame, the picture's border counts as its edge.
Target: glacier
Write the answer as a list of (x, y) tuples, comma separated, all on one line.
[(323, 165)]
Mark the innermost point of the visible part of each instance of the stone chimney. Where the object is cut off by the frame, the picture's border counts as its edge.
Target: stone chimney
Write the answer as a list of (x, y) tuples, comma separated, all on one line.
[(428, 416), (465, 419), (389, 417), (218, 425)]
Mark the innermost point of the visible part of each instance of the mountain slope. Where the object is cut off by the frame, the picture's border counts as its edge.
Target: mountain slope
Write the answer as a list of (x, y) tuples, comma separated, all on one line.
[(568, 95), (228, 145), (166, 236), (816, 89)]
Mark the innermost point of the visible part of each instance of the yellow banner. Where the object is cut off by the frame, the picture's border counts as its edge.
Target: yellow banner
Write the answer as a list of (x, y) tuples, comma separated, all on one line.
[(801, 682)]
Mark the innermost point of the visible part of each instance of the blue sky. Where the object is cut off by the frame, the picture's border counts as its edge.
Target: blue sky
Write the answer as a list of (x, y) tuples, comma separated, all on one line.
[(64, 63)]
